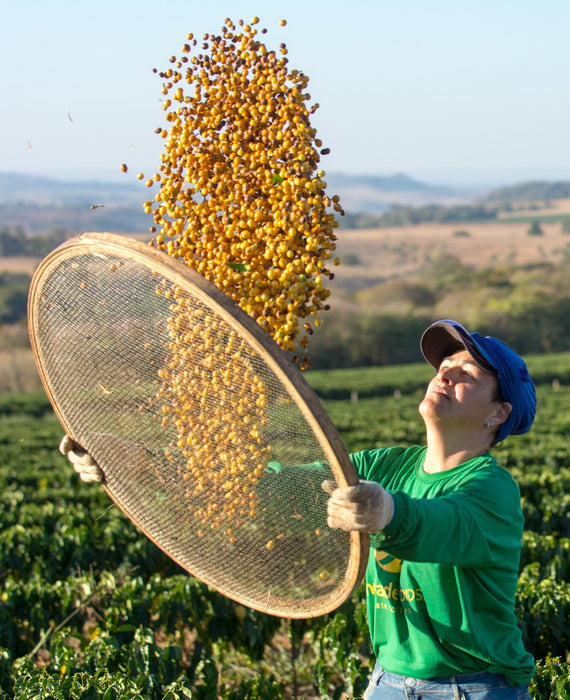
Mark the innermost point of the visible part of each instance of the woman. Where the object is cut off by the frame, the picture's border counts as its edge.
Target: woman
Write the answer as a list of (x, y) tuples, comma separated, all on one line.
[(446, 529)]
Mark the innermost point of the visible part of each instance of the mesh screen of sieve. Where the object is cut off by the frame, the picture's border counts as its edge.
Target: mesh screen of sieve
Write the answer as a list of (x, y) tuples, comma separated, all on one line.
[(209, 439)]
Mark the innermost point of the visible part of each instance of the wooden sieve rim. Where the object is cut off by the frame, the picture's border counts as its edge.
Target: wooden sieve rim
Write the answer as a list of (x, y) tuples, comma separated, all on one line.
[(289, 375)]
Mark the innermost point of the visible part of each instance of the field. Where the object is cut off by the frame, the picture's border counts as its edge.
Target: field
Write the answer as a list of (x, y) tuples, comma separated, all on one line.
[(403, 252), (91, 609), (18, 265), (384, 253)]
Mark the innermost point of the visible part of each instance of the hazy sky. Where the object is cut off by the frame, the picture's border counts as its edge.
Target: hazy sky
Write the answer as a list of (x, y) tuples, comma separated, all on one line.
[(444, 90)]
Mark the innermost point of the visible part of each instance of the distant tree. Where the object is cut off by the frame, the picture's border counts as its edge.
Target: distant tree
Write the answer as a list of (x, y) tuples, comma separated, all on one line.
[(16, 242), (350, 259), (535, 229), (12, 242), (13, 297), (42, 245)]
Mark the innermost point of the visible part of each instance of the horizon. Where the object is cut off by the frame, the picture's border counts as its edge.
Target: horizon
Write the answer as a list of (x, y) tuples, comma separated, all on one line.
[(460, 179)]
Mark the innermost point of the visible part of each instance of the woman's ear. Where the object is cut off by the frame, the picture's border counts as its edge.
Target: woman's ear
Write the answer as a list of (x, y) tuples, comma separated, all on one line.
[(503, 413)]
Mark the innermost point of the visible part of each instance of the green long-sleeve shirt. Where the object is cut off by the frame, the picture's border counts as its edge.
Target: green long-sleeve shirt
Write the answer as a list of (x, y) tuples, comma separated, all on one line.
[(442, 577)]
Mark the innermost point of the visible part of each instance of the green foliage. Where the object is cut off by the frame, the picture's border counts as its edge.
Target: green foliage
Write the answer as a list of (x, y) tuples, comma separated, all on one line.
[(535, 229), (104, 668), (385, 381), (89, 608), (529, 195), (543, 607), (13, 297), (36, 405), (527, 306), (538, 217), (14, 287), (551, 680), (401, 215), (356, 220), (463, 212), (343, 646), (357, 340), (367, 382), (17, 243), (12, 242), (548, 554)]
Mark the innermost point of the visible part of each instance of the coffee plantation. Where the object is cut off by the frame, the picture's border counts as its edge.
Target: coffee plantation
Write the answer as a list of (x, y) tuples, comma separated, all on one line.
[(89, 608)]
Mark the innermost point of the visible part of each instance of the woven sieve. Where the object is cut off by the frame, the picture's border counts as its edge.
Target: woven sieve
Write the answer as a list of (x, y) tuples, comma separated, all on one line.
[(209, 439)]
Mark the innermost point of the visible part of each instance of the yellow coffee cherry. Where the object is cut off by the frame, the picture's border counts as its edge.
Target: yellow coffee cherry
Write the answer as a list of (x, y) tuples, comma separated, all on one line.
[(241, 156), (209, 377), (241, 200)]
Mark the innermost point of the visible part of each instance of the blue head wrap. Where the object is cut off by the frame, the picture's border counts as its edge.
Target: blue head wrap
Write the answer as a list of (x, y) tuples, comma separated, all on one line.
[(443, 338)]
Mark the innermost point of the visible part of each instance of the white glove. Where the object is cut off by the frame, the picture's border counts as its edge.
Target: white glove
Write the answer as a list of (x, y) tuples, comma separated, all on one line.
[(366, 507), (82, 461)]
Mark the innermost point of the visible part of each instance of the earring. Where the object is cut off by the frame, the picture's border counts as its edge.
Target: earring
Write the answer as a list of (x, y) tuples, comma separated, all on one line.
[(490, 424)]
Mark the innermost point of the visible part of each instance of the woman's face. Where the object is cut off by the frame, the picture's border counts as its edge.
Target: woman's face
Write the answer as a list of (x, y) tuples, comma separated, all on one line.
[(462, 391)]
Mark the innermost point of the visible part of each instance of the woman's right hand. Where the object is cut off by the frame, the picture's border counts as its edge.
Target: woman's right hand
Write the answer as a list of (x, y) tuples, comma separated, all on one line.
[(82, 461)]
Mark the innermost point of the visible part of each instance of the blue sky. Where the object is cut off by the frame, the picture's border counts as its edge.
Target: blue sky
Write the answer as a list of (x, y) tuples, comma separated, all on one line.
[(444, 90)]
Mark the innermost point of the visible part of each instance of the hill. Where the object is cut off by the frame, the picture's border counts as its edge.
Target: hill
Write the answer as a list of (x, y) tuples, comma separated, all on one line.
[(40, 204), (374, 194), (534, 191), (44, 191)]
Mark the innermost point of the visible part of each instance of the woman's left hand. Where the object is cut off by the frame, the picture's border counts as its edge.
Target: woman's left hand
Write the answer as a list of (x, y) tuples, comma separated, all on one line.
[(366, 507)]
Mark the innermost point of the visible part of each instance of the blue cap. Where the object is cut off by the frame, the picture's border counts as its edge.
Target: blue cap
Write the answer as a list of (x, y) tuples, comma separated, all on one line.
[(443, 338)]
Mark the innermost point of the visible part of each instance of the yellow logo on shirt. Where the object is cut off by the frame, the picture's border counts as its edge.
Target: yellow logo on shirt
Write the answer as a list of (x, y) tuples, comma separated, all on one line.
[(393, 593), (392, 597), (388, 562)]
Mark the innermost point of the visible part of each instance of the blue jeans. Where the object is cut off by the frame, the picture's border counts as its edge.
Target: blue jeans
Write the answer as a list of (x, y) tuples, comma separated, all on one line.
[(473, 686)]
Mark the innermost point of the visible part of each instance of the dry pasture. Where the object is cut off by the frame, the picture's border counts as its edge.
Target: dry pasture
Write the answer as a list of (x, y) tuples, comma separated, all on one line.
[(402, 252), (19, 264), (18, 372)]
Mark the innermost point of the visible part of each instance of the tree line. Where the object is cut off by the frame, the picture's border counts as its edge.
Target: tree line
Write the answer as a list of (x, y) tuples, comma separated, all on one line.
[(401, 215), (526, 195), (15, 242), (14, 286), (347, 339), (527, 306)]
